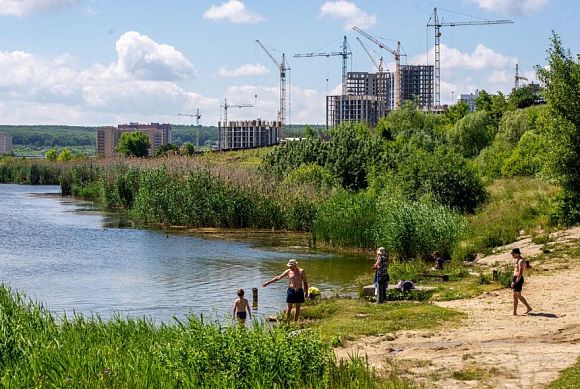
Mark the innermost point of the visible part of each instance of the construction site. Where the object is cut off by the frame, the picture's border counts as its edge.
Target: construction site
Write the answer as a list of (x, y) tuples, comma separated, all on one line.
[(365, 96)]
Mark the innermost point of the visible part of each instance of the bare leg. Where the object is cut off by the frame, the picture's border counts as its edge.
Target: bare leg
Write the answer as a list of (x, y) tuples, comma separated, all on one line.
[(297, 313), (523, 300), (516, 297), (288, 313)]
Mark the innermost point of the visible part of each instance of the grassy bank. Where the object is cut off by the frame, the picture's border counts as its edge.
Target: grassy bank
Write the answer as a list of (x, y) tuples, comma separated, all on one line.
[(569, 378), (37, 350), (340, 319)]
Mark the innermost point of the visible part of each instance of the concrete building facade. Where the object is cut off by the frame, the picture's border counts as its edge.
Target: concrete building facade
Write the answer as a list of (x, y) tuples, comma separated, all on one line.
[(108, 137), (469, 99), (352, 108), (5, 142), (417, 84), (248, 134)]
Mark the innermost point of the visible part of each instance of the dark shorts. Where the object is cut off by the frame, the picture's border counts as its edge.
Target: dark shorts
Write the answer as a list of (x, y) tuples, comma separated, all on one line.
[(241, 315), (518, 285), (295, 296)]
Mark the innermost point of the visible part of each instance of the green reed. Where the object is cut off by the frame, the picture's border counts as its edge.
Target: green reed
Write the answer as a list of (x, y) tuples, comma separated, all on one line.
[(39, 350)]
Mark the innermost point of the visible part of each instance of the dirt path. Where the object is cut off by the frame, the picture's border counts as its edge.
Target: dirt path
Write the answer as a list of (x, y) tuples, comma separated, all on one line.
[(501, 350)]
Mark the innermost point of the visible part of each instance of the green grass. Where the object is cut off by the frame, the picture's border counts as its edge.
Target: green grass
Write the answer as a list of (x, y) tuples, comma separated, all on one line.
[(470, 374), (464, 288), (569, 379), (38, 350), (340, 319)]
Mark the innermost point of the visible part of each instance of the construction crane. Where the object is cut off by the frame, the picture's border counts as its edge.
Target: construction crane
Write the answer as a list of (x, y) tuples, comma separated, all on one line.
[(434, 22), (283, 68), (197, 116), (396, 54), (226, 106), (517, 77), (380, 80), (345, 53)]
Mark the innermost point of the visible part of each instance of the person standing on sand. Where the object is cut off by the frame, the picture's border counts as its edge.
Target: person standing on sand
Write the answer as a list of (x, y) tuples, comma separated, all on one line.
[(241, 307), (518, 280), (297, 284)]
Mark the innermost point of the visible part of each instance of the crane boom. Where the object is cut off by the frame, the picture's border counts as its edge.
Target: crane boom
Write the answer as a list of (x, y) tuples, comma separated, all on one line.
[(396, 53), (282, 68), (380, 79), (345, 53), (434, 22), (197, 116)]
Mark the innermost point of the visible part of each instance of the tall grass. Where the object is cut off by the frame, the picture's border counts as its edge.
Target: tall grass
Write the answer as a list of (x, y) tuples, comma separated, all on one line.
[(515, 205), (37, 350)]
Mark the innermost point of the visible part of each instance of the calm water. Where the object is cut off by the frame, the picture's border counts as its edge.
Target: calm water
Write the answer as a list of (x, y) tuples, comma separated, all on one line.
[(74, 258)]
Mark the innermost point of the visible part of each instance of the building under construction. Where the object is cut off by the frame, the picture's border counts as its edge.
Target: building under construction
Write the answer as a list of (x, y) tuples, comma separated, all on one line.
[(248, 134), (370, 96)]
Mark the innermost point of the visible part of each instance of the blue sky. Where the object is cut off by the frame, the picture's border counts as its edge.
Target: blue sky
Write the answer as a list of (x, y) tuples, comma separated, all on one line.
[(105, 62)]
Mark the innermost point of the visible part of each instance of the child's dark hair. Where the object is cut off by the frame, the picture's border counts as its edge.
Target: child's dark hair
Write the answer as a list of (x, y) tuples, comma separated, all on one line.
[(240, 292)]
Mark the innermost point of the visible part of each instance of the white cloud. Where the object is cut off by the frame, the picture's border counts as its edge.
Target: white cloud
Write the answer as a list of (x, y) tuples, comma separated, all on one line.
[(244, 70), (234, 11), (482, 57), (142, 58), (512, 7), (342, 9), (26, 7)]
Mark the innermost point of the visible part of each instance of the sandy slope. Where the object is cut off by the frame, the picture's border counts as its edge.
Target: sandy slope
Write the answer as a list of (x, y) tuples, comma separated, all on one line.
[(510, 351)]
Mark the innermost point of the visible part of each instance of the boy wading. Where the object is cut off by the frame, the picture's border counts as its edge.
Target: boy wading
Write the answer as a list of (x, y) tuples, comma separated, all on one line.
[(297, 284), (518, 280)]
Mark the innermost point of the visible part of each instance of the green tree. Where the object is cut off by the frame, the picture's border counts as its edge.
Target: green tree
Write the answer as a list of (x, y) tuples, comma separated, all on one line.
[(521, 97), (166, 149), (472, 133), (483, 101), (51, 155), (65, 155), (457, 112), (310, 132), (187, 149), (133, 144), (406, 117), (562, 91)]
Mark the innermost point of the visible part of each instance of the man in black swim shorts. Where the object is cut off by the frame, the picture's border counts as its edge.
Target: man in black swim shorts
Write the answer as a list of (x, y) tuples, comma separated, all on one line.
[(297, 284), (518, 280)]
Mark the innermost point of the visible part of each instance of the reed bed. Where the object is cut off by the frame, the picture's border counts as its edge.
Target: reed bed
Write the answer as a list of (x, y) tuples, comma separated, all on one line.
[(39, 350)]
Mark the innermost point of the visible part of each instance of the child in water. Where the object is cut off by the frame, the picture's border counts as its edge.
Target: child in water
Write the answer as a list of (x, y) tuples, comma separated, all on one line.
[(241, 306)]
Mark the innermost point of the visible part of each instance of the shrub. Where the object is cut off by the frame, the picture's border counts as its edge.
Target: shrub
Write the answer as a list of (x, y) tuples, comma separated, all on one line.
[(472, 133), (412, 229)]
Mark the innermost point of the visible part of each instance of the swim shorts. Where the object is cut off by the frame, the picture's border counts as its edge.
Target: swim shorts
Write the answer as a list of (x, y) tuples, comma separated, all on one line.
[(518, 285), (241, 315), (295, 296)]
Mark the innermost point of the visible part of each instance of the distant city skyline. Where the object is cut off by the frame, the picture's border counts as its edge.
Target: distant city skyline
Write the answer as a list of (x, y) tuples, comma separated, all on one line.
[(104, 62)]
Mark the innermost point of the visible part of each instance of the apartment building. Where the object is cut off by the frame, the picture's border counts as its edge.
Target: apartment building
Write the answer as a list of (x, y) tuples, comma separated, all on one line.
[(248, 134), (108, 136), (5, 142)]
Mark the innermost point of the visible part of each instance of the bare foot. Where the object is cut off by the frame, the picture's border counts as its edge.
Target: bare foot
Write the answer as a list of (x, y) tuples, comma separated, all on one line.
[(515, 313), (528, 311)]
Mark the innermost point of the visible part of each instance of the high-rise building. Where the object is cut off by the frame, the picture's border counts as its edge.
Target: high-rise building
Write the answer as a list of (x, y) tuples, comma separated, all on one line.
[(469, 99), (248, 134), (108, 137), (417, 84), (5, 142), (352, 108)]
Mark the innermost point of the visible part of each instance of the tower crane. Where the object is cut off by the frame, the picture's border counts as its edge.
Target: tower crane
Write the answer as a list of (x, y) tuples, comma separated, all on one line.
[(396, 54), (380, 80), (345, 53), (197, 116), (517, 77), (226, 106), (434, 22), (282, 67)]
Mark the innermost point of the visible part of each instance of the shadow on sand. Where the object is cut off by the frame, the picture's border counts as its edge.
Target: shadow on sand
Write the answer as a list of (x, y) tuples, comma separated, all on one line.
[(543, 314)]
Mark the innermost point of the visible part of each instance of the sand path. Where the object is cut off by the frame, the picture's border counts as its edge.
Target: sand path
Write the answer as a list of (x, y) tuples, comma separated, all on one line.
[(506, 351)]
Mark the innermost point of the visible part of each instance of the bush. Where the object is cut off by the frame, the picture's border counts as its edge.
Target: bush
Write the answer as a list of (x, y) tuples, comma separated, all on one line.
[(472, 133), (416, 229), (346, 219)]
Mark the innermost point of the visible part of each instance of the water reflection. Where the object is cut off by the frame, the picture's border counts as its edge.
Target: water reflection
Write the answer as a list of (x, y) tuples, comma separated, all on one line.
[(73, 257)]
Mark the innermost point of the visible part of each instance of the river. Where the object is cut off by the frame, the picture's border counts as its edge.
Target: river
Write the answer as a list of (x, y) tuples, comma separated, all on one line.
[(73, 257)]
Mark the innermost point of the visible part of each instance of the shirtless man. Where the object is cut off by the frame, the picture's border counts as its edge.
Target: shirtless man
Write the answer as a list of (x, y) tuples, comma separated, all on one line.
[(297, 284), (518, 281)]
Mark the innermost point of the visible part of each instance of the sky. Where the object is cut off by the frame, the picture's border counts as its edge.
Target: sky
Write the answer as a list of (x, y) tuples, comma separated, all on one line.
[(108, 62)]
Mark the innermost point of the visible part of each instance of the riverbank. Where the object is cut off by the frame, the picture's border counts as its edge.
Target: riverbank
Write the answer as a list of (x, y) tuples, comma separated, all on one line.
[(491, 347)]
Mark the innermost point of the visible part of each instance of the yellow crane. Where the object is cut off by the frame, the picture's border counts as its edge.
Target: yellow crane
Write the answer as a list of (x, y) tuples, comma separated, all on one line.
[(437, 24)]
